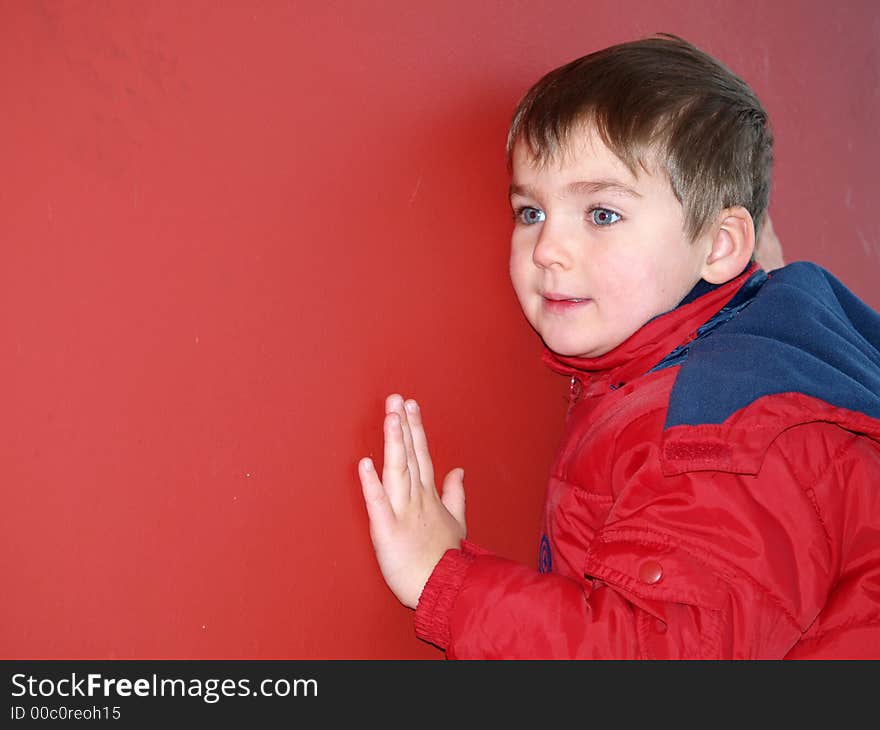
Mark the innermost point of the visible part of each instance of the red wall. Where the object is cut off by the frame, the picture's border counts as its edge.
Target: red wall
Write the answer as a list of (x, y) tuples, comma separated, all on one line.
[(230, 229)]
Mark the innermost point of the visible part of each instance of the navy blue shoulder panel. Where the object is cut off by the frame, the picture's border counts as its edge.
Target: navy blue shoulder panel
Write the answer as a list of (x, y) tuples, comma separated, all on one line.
[(800, 330)]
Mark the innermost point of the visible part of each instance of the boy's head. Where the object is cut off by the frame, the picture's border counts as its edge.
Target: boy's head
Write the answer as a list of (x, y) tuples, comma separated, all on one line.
[(659, 100), (636, 171)]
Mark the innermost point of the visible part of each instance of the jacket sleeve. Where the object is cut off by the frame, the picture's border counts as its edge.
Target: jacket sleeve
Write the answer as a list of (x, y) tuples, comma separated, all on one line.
[(698, 565), (480, 606)]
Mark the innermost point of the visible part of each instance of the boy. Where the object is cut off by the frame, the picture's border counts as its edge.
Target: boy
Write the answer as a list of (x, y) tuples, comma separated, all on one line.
[(717, 491)]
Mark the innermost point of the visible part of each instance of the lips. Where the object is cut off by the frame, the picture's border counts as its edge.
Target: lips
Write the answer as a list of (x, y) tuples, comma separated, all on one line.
[(562, 302)]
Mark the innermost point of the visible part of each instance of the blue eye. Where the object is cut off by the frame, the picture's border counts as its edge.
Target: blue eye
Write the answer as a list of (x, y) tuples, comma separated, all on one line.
[(603, 216), (530, 216)]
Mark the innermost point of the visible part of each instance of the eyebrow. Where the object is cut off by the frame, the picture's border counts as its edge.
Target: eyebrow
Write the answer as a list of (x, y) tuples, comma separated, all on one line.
[(582, 187)]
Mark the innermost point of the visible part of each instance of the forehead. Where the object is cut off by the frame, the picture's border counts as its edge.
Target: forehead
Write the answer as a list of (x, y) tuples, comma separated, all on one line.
[(582, 157)]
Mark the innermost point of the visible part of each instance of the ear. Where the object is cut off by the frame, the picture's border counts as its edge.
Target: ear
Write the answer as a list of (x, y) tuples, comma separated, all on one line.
[(732, 245)]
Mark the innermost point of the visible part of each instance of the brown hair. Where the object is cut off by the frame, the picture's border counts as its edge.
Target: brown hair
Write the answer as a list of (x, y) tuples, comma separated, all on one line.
[(659, 96)]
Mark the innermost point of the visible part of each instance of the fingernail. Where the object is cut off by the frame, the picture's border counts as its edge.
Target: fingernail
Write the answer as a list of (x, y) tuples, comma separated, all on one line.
[(412, 406), (367, 464)]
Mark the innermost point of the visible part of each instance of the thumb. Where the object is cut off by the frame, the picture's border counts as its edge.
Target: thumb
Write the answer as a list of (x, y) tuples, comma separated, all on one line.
[(453, 495)]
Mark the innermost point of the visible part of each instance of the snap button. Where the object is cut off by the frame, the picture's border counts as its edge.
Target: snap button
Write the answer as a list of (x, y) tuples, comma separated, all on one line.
[(650, 571), (576, 388)]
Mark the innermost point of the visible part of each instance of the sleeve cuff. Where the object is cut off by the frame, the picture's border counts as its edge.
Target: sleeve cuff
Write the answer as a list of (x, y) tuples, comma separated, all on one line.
[(473, 549), (440, 592)]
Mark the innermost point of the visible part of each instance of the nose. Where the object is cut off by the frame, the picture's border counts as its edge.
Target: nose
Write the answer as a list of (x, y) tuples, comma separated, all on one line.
[(552, 248)]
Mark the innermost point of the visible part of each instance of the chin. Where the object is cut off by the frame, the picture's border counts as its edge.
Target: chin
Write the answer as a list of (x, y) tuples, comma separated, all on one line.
[(575, 350), (583, 349)]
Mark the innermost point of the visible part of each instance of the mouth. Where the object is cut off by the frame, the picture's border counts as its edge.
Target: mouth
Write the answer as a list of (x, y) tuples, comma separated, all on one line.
[(563, 302)]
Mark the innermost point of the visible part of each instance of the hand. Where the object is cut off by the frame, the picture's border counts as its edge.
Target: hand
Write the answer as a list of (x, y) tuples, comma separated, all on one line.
[(410, 524), (768, 250)]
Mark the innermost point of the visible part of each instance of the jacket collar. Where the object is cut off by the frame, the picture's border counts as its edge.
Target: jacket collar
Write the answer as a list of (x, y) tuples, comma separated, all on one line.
[(651, 343)]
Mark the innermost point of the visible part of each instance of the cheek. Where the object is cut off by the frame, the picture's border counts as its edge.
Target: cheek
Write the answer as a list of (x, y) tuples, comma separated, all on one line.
[(520, 267), (624, 275), (522, 276), (643, 289), (632, 291)]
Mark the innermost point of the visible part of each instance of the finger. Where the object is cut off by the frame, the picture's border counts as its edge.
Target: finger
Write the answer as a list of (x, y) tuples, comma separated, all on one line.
[(396, 406), (395, 470), (453, 497), (420, 443), (379, 508)]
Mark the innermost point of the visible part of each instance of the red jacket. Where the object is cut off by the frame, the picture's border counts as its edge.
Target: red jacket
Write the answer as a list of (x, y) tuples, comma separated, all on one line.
[(716, 493)]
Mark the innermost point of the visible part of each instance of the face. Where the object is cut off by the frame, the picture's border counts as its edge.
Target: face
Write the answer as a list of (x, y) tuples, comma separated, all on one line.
[(596, 252)]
